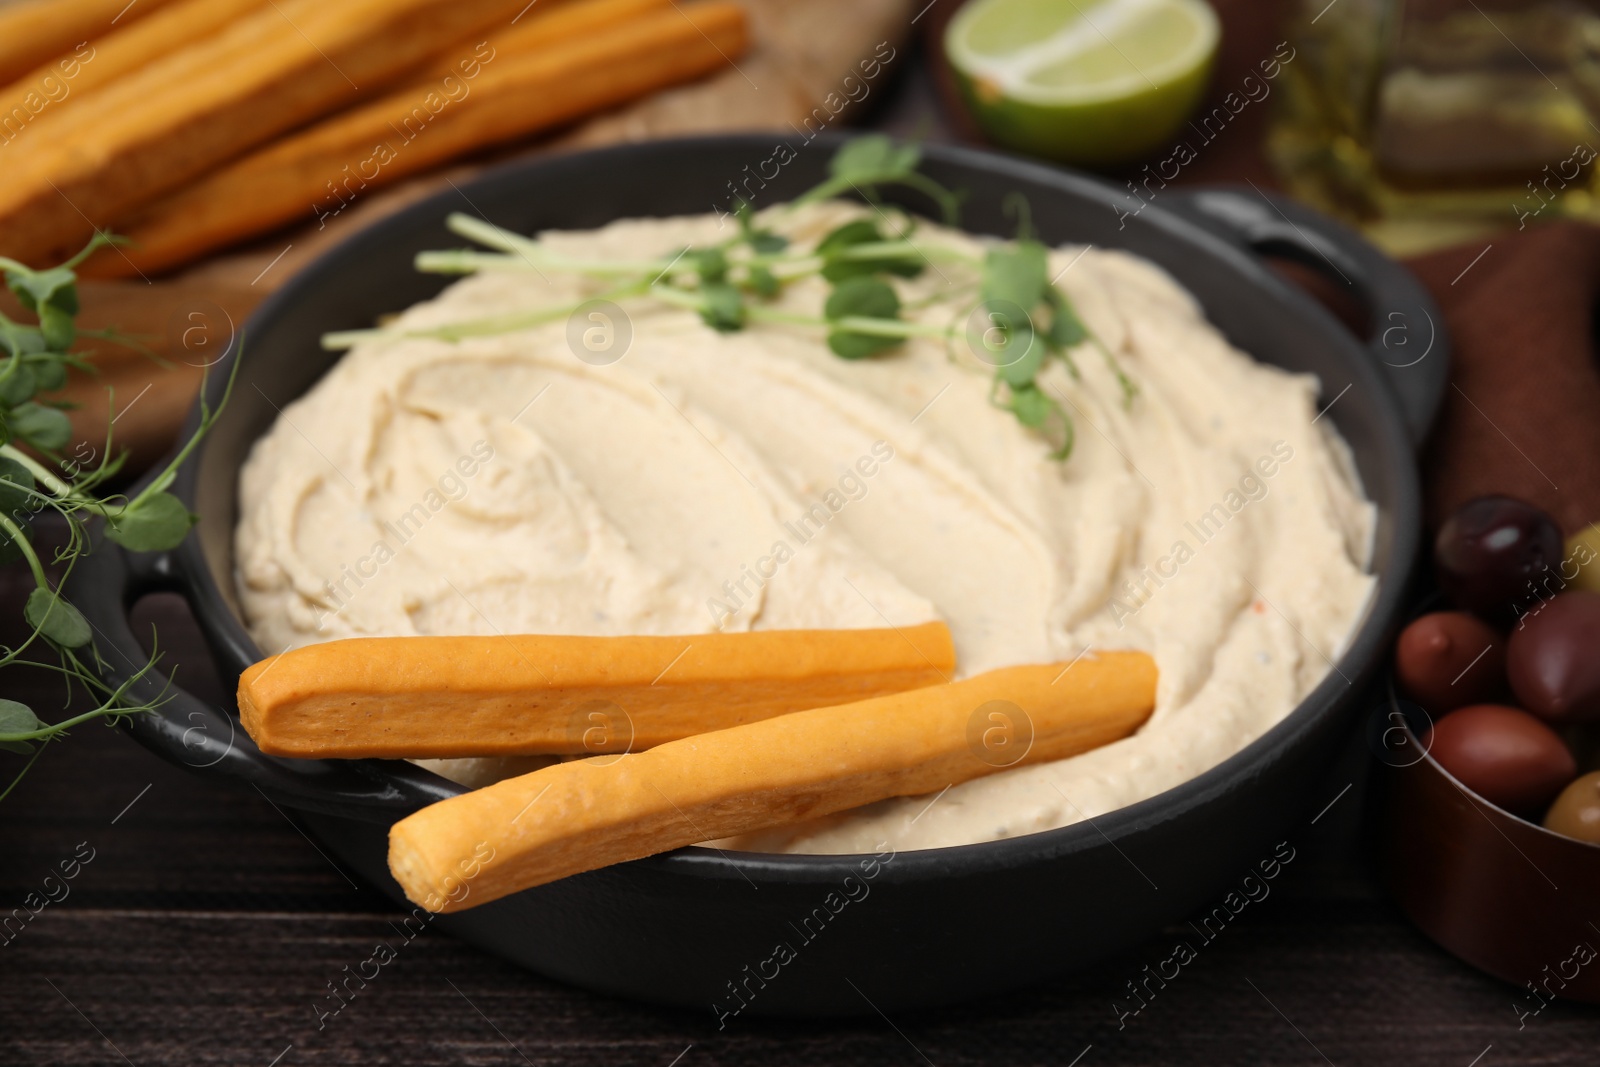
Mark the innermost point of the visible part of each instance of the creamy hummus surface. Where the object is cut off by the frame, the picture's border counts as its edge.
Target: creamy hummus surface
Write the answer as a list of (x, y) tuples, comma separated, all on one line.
[(754, 480)]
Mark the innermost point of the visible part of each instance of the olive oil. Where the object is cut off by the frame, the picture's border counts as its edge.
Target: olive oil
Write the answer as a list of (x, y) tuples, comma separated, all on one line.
[(1442, 114)]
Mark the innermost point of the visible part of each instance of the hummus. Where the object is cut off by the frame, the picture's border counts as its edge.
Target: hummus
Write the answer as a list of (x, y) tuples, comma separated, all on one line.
[(754, 480)]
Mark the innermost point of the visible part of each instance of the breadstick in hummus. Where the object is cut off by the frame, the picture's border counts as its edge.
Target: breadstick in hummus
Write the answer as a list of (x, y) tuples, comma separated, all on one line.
[(445, 697), (585, 814)]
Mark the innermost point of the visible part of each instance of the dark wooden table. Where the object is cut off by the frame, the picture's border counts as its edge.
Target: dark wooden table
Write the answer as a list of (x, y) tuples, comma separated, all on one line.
[(207, 924)]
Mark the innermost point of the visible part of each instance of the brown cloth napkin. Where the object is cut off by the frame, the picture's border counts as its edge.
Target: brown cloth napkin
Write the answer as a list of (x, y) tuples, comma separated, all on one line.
[(1522, 414)]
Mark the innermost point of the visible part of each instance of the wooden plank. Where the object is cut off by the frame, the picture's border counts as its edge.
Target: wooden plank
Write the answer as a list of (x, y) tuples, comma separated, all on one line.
[(1288, 987)]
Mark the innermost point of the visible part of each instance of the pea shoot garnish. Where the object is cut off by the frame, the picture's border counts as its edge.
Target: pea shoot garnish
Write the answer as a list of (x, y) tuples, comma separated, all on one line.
[(1022, 319), (35, 476)]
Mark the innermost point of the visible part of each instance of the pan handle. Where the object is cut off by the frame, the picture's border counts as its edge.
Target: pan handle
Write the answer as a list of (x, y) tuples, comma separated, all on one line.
[(1406, 333), (208, 740)]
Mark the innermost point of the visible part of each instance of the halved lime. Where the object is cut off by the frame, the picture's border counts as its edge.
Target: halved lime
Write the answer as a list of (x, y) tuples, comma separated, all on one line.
[(1095, 82)]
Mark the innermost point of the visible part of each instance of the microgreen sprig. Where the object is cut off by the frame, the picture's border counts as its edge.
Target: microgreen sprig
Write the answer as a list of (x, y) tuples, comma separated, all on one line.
[(34, 360), (866, 164), (731, 285)]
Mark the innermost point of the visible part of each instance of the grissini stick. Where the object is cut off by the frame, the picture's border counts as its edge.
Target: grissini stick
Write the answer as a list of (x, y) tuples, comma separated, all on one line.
[(270, 70), (541, 29), (34, 31), (586, 814), (102, 58), (577, 60), (444, 697)]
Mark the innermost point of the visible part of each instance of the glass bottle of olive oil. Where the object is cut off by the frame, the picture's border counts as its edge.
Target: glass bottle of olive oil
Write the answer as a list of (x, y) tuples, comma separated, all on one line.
[(1425, 119)]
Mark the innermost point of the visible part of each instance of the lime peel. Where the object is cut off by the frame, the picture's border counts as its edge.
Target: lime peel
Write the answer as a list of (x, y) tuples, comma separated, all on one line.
[(1089, 81)]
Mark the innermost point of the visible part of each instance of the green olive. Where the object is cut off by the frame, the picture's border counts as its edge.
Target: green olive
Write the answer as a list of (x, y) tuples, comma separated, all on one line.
[(1576, 812)]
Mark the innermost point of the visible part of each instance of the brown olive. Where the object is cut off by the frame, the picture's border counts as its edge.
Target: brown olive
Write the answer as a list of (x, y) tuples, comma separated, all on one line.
[(1491, 551), (1504, 755), (1448, 659), (1553, 658), (1576, 812)]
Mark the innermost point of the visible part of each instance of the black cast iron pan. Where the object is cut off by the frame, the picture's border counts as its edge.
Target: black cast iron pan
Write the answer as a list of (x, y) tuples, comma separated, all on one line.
[(700, 928)]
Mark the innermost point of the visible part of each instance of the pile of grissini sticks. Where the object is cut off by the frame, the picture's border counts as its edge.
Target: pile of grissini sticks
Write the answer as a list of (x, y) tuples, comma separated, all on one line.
[(188, 125)]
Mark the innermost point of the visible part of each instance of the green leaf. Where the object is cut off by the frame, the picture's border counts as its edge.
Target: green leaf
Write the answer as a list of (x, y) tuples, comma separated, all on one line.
[(18, 718), (1066, 329), (1018, 274), (47, 612), (1021, 371), (65, 298), (157, 522), (909, 264), (49, 374), (711, 264), (19, 340), (1014, 281), (847, 344), (17, 385), (768, 243), (40, 288), (867, 162), (871, 298), (857, 232), (763, 281), (724, 308), (1001, 334), (839, 269), (861, 232), (16, 487), (862, 297), (872, 159), (1031, 406), (53, 296), (57, 326), (42, 427)]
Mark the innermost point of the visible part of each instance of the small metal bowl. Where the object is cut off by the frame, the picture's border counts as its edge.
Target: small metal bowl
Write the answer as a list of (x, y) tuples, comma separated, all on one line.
[(1502, 893)]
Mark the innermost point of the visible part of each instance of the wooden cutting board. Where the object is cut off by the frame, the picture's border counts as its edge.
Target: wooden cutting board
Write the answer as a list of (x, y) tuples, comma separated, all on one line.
[(801, 53)]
